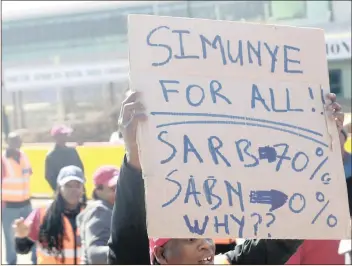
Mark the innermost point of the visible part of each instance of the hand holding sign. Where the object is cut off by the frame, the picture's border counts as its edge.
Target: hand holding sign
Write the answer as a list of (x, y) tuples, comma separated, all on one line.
[(237, 135), (335, 109), (132, 112)]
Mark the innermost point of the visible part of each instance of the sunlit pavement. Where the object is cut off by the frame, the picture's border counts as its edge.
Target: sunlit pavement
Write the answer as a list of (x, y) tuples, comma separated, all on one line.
[(21, 259)]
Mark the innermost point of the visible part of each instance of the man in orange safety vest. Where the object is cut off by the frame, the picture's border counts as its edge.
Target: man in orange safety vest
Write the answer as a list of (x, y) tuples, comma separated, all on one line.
[(15, 192)]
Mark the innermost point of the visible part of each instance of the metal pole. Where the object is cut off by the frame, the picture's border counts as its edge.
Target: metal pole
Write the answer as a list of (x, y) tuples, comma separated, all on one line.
[(21, 113), (217, 11), (14, 110), (189, 9), (5, 125), (156, 7), (61, 110)]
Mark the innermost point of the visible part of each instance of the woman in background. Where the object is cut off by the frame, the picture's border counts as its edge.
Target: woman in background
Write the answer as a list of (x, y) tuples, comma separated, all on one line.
[(54, 228)]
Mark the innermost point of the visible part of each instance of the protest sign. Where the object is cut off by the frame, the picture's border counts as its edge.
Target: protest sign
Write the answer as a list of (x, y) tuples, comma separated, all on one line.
[(237, 141)]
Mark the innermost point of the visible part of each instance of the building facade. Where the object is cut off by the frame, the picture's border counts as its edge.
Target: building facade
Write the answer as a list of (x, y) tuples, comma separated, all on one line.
[(84, 49)]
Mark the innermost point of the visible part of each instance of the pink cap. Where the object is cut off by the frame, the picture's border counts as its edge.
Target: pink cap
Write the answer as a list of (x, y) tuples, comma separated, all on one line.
[(156, 242), (106, 175), (60, 130)]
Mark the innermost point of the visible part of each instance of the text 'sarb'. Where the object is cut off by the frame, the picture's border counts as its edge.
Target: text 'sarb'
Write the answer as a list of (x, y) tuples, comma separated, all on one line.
[(237, 142)]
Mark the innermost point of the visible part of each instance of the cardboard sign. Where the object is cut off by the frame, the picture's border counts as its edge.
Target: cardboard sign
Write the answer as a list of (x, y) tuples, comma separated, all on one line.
[(237, 142)]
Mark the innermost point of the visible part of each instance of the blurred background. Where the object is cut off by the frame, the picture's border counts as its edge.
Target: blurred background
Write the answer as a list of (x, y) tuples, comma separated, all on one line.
[(67, 61)]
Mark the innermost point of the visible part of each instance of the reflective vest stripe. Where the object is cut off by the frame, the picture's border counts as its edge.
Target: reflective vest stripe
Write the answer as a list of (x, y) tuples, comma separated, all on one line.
[(16, 180), (15, 192)]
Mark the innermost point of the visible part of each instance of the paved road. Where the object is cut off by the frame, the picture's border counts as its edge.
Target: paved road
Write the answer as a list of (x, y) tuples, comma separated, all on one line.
[(21, 259)]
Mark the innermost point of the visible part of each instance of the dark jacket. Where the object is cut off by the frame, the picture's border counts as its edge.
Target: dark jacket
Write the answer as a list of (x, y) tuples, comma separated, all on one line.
[(128, 243), (58, 158), (94, 225)]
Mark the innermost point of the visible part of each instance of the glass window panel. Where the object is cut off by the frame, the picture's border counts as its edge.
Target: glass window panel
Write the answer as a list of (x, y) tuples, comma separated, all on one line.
[(243, 10), (85, 26), (173, 9), (335, 77), (200, 9), (288, 9)]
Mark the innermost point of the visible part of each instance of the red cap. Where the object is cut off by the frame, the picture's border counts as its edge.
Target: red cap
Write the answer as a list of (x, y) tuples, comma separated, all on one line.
[(156, 242), (106, 175), (60, 130)]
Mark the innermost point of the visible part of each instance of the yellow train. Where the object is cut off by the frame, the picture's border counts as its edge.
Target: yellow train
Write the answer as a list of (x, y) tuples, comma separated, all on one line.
[(92, 156)]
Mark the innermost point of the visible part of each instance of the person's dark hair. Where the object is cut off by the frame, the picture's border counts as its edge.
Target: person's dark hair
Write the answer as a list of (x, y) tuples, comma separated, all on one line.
[(84, 200), (51, 232), (344, 133), (94, 195)]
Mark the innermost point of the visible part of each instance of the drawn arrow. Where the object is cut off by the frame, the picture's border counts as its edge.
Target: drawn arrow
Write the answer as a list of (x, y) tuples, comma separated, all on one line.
[(273, 197), (267, 152)]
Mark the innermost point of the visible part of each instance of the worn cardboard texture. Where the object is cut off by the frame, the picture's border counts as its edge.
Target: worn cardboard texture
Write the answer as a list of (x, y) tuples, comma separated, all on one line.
[(230, 149)]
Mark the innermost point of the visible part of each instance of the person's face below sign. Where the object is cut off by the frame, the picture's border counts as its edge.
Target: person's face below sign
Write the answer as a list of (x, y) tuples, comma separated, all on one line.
[(107, 193), (72, 192), (186, 251), (111, 194)]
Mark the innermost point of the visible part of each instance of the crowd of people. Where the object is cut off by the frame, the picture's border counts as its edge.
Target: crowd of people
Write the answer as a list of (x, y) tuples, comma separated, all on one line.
[(112, 228)]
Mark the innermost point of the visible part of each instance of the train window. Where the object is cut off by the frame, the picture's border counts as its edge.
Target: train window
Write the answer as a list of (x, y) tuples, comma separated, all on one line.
[(282, 10), (243, 10), (202, 9), (177, 9), (95, 25), (335, 77)]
